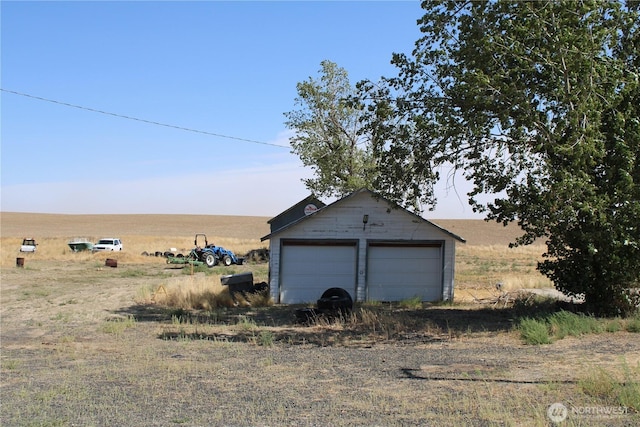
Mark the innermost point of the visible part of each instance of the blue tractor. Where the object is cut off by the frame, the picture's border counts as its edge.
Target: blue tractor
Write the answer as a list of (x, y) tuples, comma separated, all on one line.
[(211, 254)]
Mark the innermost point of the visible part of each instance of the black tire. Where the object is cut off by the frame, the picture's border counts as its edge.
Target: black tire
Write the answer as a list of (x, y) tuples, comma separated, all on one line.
[(210, 259), (336, 299), (226, 260), (336, 293)]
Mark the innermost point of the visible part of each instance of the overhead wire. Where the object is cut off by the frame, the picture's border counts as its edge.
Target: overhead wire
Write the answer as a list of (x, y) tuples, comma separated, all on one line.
[(151, 122)]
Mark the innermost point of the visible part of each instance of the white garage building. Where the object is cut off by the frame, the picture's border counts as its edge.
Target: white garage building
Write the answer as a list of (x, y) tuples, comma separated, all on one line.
[(365, 245)]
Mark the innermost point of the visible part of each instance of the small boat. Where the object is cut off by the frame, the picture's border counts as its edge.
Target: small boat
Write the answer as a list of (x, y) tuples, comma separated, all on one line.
[(80, 244)]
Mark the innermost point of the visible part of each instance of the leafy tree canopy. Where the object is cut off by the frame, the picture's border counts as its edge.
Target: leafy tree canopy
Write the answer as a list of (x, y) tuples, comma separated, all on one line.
[(537, 102), (328, 135)]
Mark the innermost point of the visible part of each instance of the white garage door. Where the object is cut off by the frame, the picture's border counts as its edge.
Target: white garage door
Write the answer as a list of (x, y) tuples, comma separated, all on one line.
[(396, 272), (307, 270)]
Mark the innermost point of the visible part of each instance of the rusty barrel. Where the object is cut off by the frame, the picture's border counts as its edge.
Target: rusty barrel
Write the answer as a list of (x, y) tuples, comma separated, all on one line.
[(111, 262), (19, 262)]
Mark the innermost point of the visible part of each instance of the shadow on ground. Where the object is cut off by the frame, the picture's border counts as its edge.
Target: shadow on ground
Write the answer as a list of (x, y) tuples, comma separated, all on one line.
[(365, 326), (475, 376)]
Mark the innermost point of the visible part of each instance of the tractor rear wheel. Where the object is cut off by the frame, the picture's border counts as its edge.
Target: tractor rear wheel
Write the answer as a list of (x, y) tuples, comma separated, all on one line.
[(210, 260)]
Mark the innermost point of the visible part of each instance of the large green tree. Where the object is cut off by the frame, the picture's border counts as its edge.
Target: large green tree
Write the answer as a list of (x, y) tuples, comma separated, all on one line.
[(536, 102), (327, 133)]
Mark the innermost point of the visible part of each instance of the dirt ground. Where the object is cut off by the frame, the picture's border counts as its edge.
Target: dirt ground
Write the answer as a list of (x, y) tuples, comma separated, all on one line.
[(82, 344)]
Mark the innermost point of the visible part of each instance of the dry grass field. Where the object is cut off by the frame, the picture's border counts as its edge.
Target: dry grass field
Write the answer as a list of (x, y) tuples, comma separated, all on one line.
[(18, 225), (144, 344), (139, 233)]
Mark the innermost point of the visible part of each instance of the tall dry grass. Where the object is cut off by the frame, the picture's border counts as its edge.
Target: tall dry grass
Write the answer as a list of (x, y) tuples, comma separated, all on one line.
[(486, 266), (198, 291)]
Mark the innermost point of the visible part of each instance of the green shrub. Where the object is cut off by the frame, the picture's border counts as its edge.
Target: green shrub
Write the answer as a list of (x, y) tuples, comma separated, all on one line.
[(265, 338), (598, 384), (565, 323), (629, 394), (614, 325), (117, 325), (604, 386), (533, 331), (246, 323), (633, 324), (546, 328), (133, 273), (412, 303)]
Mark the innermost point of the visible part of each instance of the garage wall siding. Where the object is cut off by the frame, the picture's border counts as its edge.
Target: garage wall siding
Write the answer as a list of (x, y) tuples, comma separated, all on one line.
[(344, 220)]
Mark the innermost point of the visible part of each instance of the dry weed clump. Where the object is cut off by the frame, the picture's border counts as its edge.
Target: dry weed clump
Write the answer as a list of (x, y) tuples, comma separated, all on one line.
[(515, 282), (257, 300), (197, 292), (200, 292), (377, 323)]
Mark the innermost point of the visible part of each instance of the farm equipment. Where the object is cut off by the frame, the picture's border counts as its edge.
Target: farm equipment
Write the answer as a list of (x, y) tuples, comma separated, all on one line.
[(192, 259), (242, 284), (208, 254)]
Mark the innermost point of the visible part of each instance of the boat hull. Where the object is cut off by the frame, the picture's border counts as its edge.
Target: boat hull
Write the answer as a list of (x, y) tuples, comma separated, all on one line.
[(80, 246)]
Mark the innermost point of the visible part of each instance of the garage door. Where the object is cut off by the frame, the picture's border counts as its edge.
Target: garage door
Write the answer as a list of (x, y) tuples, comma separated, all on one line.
[(396, 272), (307, 270)]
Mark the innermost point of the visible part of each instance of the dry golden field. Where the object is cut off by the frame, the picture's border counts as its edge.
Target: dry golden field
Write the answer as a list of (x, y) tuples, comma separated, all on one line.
[(15, 224), (139, 233), (18, 225)]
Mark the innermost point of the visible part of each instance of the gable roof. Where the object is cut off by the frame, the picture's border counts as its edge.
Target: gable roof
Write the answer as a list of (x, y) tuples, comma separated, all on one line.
[(349, 196), (309, 199)]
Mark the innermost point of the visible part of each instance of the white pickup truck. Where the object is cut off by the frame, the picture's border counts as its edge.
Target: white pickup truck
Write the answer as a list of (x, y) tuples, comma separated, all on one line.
[(28, 245), (108, 244)]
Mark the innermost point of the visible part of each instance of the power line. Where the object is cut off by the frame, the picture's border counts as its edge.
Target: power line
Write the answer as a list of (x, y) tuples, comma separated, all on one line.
[(151, 122)]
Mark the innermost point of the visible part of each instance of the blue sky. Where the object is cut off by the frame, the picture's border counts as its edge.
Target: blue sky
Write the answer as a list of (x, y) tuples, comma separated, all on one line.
[(221, 68)]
